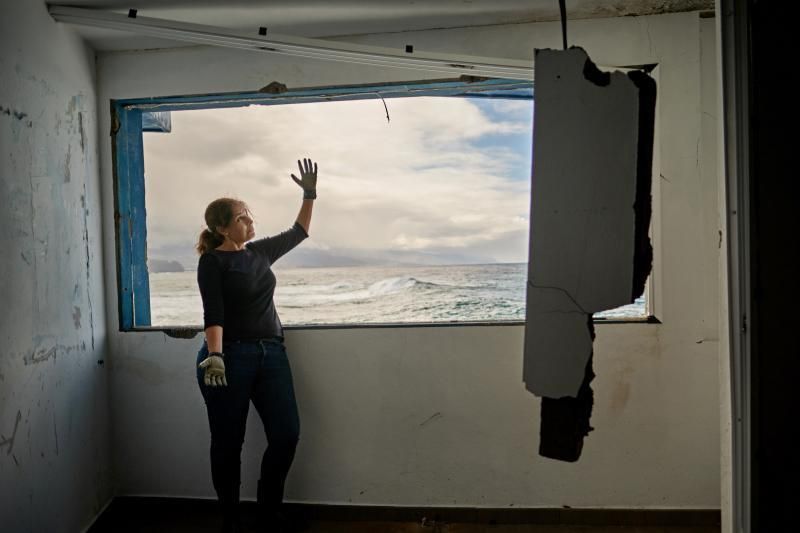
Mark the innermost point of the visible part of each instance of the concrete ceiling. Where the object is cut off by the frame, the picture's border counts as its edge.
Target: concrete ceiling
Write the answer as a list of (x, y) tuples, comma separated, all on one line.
[(328, 18)]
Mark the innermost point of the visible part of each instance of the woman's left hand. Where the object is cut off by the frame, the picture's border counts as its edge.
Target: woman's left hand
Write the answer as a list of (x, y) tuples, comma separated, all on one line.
[(308, 178)]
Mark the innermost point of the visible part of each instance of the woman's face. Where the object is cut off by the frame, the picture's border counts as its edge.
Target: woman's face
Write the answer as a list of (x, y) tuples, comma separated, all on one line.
[(241, 228)]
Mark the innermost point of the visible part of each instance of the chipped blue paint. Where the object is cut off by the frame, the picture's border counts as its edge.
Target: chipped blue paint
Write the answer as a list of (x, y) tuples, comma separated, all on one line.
[(131, 229)]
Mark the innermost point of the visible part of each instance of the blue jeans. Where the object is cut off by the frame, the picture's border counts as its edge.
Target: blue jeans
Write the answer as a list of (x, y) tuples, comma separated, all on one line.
[(256, 371)]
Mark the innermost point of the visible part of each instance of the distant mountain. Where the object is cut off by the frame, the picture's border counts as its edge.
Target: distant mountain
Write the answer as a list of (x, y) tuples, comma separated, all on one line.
[(164, 265), (302, 257)]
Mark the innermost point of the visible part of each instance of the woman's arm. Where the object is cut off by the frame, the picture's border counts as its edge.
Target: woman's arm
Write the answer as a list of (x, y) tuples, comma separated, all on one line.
[(304, 216), (214, 338)]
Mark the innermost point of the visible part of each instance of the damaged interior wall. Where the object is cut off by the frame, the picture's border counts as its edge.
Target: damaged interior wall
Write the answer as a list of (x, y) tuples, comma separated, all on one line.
[(590, 210), (439, 416), (54, 425)]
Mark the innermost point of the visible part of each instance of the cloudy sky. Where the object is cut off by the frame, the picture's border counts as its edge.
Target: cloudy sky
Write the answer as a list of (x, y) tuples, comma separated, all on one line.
[(445, 181)]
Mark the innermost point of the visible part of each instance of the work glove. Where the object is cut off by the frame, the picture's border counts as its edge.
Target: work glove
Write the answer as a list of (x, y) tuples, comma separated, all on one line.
[(214, 366), (308, 178)]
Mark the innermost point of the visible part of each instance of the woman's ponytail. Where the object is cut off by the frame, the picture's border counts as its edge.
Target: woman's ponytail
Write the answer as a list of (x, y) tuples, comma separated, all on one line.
[(208, 241)]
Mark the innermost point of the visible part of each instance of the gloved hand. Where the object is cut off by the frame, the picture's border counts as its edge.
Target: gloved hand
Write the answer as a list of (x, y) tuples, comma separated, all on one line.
[(215, 371), (308, 178)]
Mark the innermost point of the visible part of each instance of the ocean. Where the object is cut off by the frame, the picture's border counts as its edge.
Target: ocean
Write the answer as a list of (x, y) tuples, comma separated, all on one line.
[(373, 295)]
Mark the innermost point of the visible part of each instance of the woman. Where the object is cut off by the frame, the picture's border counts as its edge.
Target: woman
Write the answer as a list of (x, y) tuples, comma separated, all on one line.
[(243, 358)]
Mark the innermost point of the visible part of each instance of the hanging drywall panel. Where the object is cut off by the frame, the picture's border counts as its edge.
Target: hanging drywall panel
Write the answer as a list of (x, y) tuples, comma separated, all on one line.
[(583, 223)]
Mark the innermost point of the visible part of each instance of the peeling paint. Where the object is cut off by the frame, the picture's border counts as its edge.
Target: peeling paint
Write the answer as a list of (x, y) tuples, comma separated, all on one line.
[(10, 441)]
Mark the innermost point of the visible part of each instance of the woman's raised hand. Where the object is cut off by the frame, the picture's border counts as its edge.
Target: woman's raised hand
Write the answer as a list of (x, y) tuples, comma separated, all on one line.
[(308, 178)]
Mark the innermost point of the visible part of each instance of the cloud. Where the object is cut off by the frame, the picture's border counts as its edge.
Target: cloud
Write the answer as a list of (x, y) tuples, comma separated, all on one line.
[(426, 181)]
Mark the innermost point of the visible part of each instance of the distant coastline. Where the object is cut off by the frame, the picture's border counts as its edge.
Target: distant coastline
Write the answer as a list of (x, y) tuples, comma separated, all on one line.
[(164, 265)]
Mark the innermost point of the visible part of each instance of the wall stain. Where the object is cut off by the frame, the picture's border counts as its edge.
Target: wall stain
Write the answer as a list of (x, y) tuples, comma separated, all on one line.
[(40, 355), (82, 132), (434, 416), (621, 392), (76, 317), (88, 261), (620, 395), (19, 115), (10, 441), (73, 104), (67, 172)]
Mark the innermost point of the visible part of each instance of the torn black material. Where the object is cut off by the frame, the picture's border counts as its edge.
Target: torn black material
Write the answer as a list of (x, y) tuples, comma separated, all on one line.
[(643, 205), (595, 75), (558, 350), (565, 421)]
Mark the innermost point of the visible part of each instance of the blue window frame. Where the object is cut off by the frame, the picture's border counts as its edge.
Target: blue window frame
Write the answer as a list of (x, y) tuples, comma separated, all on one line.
[(131, 117)]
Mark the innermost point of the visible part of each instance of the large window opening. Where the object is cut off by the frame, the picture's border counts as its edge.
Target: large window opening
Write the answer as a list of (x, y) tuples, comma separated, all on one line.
[(421, 218)]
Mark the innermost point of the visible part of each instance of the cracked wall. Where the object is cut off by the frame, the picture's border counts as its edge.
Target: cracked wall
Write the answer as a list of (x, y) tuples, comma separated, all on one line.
[(54, 466)]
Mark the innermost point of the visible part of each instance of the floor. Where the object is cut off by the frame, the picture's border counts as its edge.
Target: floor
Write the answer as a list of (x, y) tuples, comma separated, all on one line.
[(135, 515)]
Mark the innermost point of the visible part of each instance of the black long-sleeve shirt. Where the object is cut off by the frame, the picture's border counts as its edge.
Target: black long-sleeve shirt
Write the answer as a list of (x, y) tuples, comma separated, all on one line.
[(237, 287)]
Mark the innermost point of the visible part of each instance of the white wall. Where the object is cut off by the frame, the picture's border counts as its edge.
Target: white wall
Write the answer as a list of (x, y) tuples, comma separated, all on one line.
[(54, 427), (439, 416)]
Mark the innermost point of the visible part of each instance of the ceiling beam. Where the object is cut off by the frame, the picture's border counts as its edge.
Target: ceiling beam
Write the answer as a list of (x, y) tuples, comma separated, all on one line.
[(298, 46)]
